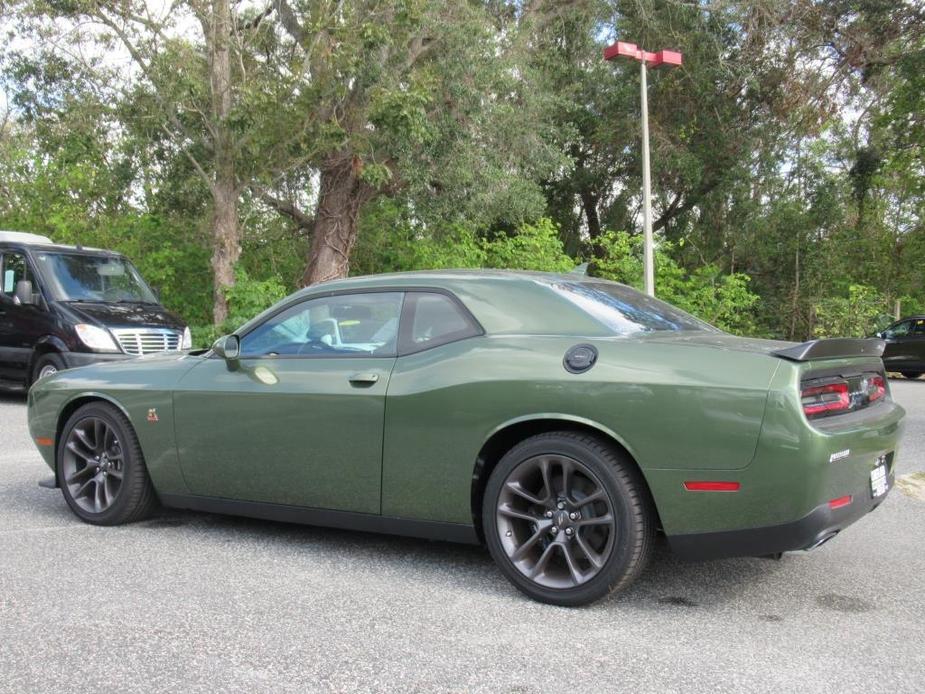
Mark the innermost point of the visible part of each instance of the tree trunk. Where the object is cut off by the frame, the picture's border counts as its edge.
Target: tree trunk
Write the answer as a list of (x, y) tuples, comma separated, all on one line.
[(589, 203), (340, 198), (226, 246), (226, 231)]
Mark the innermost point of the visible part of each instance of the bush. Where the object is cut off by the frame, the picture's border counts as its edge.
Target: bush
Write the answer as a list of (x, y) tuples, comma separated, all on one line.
[(860, 314)]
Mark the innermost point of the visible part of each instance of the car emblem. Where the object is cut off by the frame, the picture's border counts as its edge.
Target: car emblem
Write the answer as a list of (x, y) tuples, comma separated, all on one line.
[(152, 415)]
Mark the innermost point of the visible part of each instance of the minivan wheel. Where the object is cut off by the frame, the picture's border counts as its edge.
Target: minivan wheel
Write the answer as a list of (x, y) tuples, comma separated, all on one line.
[(101, 470), (46, 365), (911, 374), (567, 518)]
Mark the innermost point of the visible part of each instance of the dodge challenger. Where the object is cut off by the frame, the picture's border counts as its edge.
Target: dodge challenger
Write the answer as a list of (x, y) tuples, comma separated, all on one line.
[(563, 421)]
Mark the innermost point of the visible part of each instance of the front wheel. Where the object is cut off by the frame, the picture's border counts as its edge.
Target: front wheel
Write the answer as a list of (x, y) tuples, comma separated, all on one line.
[(47, 365), (101, 470), (567, 518), (911, 374)]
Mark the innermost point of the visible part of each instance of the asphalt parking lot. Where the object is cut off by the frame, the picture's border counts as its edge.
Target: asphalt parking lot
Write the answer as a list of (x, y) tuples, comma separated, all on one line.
[(195, 602)]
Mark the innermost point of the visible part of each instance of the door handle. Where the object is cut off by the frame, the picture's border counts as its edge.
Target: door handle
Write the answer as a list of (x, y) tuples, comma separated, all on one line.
[(364, 379)]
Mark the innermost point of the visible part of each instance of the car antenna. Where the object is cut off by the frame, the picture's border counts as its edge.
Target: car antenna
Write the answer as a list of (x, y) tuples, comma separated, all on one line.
[(580, 270)]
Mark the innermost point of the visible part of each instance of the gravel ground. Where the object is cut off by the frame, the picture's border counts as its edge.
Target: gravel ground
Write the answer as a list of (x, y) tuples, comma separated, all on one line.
[(195, 602)]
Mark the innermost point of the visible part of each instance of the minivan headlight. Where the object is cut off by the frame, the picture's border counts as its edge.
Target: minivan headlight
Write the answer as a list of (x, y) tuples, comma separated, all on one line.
[(187, 342), (96, 338)]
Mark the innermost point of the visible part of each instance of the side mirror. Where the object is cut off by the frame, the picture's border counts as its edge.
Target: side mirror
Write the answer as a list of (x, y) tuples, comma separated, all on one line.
[(228, 347), (24, 293)]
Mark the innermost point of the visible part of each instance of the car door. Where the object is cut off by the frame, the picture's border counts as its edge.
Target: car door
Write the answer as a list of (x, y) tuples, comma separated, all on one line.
[(298, 418), (20, 325), (899, 354), (917, 343)]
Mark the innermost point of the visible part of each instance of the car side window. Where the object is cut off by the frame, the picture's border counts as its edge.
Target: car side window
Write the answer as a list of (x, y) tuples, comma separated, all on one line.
[(918, 328), (433, 319), (900, 329), (14, 270), (332, 326)]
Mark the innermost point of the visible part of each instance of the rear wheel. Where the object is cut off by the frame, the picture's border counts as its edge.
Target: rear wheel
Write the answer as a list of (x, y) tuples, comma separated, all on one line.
[(567, 518), (47, 365), (911, 374), (101, 469)]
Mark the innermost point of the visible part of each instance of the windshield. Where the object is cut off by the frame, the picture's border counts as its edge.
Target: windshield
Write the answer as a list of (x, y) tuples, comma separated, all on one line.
[(95, 278), (626, 311)]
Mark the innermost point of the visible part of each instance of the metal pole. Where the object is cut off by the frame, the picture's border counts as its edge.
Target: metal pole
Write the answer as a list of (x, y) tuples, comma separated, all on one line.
[(648, 261)]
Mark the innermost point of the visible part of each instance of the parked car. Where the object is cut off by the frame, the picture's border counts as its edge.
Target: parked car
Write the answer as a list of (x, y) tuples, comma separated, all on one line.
[(905, 346), (559, 419), (67, 306)]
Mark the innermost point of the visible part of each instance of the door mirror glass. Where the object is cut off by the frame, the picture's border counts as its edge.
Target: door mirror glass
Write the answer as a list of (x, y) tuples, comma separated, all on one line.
[(227, 347), (24, 293)]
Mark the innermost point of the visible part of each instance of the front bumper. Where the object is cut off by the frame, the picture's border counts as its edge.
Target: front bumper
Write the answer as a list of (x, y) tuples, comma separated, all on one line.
[(74, 359), (820, 525)]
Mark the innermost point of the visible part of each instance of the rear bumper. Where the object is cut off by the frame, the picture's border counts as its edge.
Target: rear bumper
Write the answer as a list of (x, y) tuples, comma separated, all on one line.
[(818, 526), (74, 359)]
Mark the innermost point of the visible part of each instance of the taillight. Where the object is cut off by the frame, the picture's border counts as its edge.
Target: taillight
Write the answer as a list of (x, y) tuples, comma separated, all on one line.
[(826, 399), (876, 388)]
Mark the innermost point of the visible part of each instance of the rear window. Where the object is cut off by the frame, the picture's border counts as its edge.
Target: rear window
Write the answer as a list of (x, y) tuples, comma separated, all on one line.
[(626, 311)]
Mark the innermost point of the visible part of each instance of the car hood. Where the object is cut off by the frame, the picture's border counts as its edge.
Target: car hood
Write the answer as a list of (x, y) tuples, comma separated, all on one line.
[(126, 315), (720, 341), (159, 371)]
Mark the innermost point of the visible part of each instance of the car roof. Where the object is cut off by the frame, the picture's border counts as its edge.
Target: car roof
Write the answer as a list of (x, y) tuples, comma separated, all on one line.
[(502, 301), (57, 248)]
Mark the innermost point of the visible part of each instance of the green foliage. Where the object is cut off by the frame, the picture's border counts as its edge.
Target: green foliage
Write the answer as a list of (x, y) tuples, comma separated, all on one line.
[(723, 300), (859, 314), (533, 247), (248, 297)]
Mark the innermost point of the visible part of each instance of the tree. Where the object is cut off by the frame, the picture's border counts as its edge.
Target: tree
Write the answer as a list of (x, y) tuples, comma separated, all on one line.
[(407, 98)]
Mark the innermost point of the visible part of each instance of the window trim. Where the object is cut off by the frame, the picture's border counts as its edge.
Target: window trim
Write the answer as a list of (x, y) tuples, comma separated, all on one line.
[(405, 344), (338, 355)]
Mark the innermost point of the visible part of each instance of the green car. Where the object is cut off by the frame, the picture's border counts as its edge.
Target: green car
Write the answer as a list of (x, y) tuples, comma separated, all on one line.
[(563, 421)]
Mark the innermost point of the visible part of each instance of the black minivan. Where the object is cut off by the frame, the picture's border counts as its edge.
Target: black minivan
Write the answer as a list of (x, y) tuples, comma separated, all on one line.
[(67, 306)]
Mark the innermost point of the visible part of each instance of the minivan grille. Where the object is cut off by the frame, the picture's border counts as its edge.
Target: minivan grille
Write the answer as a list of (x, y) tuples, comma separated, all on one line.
[(147, 341)]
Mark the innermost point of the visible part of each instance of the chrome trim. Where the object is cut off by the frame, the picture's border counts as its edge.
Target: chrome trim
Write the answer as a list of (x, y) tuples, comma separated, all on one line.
[(141, 341)]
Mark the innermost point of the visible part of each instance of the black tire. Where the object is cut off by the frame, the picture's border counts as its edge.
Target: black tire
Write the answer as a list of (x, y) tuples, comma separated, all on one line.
[(593, 462), (911, 374), (135, 498), (46, 364)]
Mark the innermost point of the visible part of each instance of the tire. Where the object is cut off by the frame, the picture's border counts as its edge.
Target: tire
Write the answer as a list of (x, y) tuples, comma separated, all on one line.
[(529, 511), (94, 466), (911, 374), (46, 365)]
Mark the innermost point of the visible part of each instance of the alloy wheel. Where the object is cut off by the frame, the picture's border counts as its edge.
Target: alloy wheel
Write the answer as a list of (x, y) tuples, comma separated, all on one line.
[(93, 464), (48, 370), (555, 521)]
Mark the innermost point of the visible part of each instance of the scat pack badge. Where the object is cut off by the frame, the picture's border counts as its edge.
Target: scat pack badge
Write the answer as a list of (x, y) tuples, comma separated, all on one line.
[(152, 415)]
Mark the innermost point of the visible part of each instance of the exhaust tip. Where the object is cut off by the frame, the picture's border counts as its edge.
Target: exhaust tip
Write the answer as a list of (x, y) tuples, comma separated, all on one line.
[(822, 540)]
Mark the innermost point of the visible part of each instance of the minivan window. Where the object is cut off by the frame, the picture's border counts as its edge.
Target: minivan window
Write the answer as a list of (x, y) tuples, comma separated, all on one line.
[(626, 311), (14, 270), (80, 277)]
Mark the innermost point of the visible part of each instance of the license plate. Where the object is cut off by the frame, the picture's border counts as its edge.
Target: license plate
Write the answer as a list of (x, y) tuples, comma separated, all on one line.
[(879, 480)]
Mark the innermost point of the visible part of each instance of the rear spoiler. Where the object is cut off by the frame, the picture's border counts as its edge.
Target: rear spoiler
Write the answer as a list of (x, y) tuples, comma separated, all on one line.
[(833, 348)]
